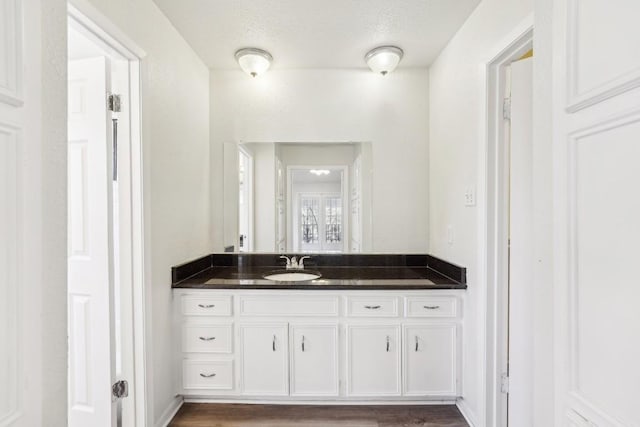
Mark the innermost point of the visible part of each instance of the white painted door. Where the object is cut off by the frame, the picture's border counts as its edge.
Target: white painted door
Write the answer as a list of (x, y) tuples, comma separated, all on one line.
[(265, 355), (521, 266), (90, 246), (430, 357), (597, 212), (321, 223), (314, 360), (373, 360)]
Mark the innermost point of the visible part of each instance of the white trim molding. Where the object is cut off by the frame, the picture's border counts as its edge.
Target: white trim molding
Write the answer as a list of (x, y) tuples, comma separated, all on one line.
[(492, 218), (11, 66), (170, 412), (10, 279)]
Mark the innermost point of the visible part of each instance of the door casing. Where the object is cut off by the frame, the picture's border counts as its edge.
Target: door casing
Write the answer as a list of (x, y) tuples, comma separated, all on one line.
[(84, 17)]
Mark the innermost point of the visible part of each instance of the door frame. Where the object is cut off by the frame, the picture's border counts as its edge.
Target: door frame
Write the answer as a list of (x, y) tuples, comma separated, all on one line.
[(250, 201), (494, 217), (84, 16), (345, 202)]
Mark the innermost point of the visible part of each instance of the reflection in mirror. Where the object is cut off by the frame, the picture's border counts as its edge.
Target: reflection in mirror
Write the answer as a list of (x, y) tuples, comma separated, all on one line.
[(294, 197)]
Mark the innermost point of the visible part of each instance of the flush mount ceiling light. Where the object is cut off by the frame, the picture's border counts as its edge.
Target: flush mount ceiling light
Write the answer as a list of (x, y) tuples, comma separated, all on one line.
[(384, 59), (253, 61), (320, 172)]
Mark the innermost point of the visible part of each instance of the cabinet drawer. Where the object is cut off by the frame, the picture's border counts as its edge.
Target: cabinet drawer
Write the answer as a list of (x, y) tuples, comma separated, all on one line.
[(206, 305), (432, 306), (266, 305), (207, 375), (381, 306), (207, 338)]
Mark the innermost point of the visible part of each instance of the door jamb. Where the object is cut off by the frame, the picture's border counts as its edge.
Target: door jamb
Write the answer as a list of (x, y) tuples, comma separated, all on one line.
[(87, 17), (493, 219)]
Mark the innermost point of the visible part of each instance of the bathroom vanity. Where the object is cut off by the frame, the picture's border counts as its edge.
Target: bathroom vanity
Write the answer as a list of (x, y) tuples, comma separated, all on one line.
[(372, 327)]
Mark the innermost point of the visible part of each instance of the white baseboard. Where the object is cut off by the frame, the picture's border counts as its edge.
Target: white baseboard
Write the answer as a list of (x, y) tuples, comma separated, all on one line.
[(170, 412), (289, 401), (467, 413)]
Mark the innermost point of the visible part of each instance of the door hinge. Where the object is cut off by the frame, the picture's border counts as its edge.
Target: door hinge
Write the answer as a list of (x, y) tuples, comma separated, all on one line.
[(504, 384), (114, 103), (506, 108), (120, 389)]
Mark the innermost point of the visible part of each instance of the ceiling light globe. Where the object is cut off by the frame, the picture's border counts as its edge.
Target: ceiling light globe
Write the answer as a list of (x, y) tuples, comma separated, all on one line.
[(384, 59), (254, 61)]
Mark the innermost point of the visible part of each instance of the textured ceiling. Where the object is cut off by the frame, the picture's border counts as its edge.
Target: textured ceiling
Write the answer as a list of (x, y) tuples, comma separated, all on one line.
[(317, 34)]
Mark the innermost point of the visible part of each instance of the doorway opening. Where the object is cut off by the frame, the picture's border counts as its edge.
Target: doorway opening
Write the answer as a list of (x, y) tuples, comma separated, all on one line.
[(105, 228), (509, 226), (318, 199)]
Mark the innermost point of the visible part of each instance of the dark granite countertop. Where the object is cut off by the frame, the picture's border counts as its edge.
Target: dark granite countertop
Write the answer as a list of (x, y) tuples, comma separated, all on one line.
[(248, 274)]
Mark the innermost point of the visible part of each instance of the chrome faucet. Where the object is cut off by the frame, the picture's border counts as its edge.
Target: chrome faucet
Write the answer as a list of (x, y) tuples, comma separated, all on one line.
[(293, 263)]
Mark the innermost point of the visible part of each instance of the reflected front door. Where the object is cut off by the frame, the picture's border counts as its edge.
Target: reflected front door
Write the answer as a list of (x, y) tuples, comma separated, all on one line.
[(321, 223)]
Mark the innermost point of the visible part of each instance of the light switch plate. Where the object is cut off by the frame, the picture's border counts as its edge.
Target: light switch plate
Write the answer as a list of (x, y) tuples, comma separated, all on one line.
[(470, 196)]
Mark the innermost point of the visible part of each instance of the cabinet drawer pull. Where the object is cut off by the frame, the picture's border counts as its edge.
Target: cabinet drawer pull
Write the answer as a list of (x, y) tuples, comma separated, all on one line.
[(372, 307), (388, 339), (431, 307), (416, 343), (207, 338), (207, 375), (303, 343), (206, 305), (273, 343)]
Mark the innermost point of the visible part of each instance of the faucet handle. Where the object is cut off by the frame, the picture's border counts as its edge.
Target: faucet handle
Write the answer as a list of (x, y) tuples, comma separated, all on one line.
[(288, 260), (301, 262)]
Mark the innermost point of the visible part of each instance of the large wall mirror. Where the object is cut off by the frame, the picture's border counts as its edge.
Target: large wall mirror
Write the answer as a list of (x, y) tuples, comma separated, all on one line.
[(350, 197), (294, 197)]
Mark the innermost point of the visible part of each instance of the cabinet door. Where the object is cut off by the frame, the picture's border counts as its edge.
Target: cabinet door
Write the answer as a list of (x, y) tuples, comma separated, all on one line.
[(430, 360), (264, 368), (314, 360), (373, 360)]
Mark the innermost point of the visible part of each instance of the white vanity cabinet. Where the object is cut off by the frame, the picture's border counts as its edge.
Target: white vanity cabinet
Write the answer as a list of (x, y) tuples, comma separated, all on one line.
[(430, 357), (314, 360), (264, 355), (373, 359), (319, 345)]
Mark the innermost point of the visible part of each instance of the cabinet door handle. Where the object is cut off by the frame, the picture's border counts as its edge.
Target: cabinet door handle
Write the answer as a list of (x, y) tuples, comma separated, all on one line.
[(207, 338), (273, 343), (207, 375), (416, 343), (388, 340), (372, 307), (206, 305), (303, 343), (431, 307)]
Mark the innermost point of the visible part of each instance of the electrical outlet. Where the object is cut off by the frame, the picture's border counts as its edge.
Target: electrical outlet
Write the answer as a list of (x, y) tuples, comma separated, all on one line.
[(470, 196), (450, 234)]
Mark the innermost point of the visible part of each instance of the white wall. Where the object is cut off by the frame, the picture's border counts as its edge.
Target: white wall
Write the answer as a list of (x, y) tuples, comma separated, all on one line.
[(456, 106), (391, 112), (42, 209), (175, 105)]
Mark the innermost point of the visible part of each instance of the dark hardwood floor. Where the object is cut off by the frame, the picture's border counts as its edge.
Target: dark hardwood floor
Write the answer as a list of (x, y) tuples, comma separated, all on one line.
[(234, 415)]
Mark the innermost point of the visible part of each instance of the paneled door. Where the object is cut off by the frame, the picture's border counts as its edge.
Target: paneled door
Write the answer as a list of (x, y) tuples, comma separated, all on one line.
[(373, 365), (314, 360), (90, 246), (597, 212), (265, 355)]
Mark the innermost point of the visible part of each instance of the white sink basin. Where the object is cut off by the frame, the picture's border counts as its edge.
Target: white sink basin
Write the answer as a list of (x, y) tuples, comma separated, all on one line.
[(292, 276)]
